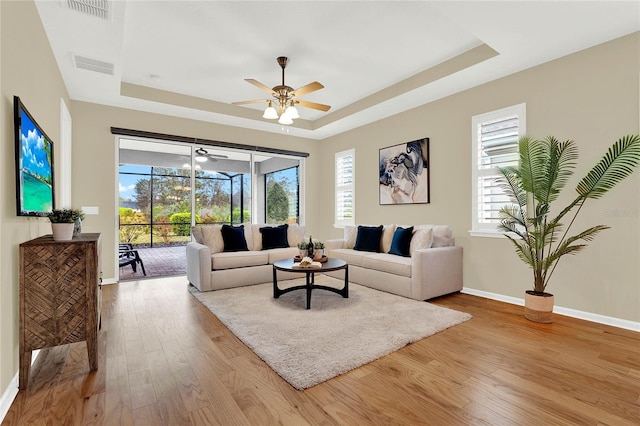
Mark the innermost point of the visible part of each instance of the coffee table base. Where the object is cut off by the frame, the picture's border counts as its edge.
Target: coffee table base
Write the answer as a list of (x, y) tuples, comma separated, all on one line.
[(310, 285)]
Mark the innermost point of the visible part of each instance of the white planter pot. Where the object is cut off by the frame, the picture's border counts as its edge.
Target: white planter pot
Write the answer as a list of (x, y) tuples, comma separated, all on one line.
[(317, 254), (62, 231)]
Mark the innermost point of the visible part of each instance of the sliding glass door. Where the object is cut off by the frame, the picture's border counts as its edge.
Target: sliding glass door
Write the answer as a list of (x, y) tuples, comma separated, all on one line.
[(154, 193), (222, 186), (165, 187)]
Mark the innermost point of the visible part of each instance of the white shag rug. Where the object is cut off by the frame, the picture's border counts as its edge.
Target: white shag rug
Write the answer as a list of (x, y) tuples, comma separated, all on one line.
[(307, 347)]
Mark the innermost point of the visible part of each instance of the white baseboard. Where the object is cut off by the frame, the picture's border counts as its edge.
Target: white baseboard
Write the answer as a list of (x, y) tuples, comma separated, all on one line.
[(574, 313), (7, 398), (109, 281), (11, 391)]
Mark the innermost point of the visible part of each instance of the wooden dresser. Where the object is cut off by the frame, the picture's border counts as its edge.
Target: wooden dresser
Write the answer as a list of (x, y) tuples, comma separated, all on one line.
[(60, 296)]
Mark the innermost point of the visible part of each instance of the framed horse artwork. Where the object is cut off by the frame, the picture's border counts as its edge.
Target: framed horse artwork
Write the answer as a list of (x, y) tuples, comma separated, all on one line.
[(404, 173)]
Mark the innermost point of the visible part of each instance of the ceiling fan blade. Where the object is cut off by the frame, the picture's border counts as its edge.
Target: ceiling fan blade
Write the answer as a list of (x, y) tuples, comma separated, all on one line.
[(313, 105), (311, 87), (255, 101), (260, 85)]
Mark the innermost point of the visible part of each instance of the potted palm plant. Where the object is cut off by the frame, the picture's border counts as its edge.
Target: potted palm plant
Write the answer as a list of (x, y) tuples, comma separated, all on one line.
[(539, 238)]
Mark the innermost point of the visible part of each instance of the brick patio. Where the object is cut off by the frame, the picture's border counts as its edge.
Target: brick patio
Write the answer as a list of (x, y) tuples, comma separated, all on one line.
[(158, 262)]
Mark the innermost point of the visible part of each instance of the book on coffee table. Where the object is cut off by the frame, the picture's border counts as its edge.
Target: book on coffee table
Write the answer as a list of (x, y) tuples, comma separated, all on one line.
[(307, 265)]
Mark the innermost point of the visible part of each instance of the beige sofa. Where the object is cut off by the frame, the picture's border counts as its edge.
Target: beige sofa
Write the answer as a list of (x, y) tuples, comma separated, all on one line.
[(433, 269), (210, 268)]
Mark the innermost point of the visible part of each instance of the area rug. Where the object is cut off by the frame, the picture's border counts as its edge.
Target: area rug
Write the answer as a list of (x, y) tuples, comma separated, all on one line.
[(307, 347)]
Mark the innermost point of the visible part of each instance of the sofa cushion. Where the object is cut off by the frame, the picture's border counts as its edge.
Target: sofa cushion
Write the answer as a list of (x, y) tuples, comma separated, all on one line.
[(387, 238), (422, 239), (250, 232), (274, 237), (442, 235), (390, 263), (401, 241), (350, 256), (234, 238), (212, 237), (368, 238), (196, 231), (295, 234), (239, 259), (350, 234), (281, 254)]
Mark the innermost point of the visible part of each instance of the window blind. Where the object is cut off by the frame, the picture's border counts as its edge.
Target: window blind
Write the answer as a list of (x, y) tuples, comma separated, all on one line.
[(496, 145), (344, 208)]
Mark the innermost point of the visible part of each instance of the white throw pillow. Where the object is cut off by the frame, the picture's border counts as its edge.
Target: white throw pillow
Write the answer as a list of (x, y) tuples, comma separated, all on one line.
[(253, 236), (422, 239), (387, 238), (212, 237), (442, 236), (196, 231), (256, 242), (350, 234), (295, 234)]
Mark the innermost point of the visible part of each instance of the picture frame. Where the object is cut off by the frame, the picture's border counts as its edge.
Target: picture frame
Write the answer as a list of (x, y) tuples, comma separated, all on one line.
[(404, 176), (34, 167)]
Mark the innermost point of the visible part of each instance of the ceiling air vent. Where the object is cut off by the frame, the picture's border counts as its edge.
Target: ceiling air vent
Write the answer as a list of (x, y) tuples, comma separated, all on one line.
[(97, 8), (85, 63)]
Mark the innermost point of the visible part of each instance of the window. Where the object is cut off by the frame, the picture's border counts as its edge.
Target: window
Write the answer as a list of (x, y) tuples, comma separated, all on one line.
[(213, 197), (495, 144), (282, 196), (345, 188), (153, 203)]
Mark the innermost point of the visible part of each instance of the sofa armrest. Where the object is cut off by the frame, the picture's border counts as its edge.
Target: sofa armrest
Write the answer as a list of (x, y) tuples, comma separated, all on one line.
[(332, 245), (436, 271), (199, 265)]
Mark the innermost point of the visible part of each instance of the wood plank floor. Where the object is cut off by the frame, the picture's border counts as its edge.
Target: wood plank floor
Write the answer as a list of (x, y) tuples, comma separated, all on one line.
[(166, 360)]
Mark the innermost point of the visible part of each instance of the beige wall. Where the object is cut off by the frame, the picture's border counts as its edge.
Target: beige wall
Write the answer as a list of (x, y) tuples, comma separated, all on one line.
[(94, 161), (591, 97), (29, 70)]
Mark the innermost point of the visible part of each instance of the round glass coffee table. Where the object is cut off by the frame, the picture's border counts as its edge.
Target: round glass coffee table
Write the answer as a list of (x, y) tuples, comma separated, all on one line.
[(330, 265)]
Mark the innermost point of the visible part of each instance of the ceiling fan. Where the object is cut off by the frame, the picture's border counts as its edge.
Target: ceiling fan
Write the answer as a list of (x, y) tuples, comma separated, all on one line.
[(285, 97), (203, 155)]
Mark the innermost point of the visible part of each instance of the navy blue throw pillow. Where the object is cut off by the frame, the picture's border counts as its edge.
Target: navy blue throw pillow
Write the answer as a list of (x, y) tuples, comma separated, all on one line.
[(368, 238), (233, 237), (274, 237), (401, 242)]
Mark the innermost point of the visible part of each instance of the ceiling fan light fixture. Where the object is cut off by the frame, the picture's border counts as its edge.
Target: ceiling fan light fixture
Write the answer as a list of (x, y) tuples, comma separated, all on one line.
[(291, 111), (285, 98), (201, 155), (285, 119), (270, 113)]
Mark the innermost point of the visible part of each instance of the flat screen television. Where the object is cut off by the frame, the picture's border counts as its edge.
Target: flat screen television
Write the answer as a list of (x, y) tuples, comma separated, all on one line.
[(35, 183)]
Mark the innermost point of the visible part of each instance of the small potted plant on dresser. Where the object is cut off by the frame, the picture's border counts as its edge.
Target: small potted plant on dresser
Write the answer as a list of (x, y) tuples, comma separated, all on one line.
[(63, 223), (540, 240)]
